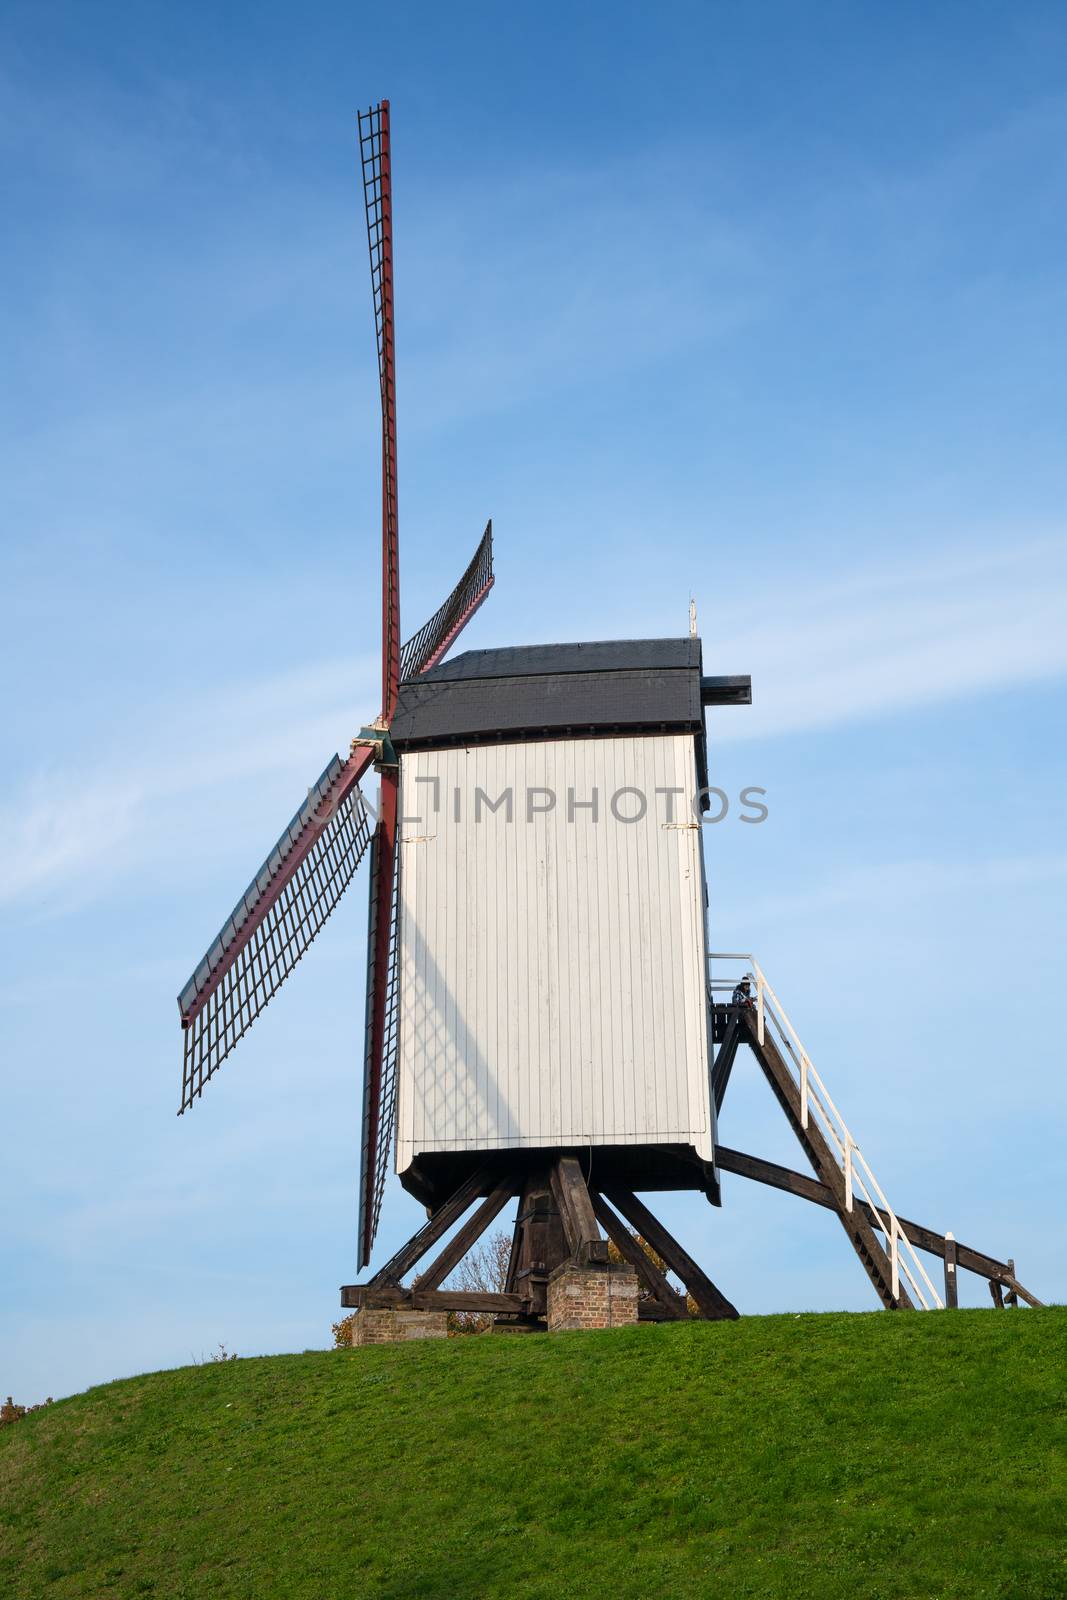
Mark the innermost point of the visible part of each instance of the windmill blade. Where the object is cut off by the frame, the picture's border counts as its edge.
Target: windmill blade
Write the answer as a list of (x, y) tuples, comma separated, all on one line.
[(275, 920), (426, 648), (375, 156), (382, 1037)]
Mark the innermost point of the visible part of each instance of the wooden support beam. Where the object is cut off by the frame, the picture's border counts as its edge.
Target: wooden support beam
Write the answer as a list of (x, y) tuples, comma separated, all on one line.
[(672, 1306), (807, 1188), (461, 1300), (468, 1235), (724, 1061), (518, 1237), (375, 1297), (357, 1296), (1016, 1289), (649, 1310), (952, 1297), (538, 1245), (519, 1324), (798, 1183), (576, 1209), (858, 1228), (712, 1302), (477, 1184)]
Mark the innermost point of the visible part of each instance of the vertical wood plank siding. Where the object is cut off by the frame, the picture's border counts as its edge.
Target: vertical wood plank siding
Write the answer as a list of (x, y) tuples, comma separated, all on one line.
[(552, 969)]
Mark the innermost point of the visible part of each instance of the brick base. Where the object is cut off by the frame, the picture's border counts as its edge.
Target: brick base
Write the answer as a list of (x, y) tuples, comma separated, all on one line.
[(397, 1326), (592, 1297)]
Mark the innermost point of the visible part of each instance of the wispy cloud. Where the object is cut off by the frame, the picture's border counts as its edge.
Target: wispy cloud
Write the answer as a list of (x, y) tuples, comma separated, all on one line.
[(835, 650), (898, 883), (831, 652), (74, 831)]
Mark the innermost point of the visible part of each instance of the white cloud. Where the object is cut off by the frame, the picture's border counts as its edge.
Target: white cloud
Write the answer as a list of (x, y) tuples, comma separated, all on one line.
[(74, 831), (829, 651), (821, 654)]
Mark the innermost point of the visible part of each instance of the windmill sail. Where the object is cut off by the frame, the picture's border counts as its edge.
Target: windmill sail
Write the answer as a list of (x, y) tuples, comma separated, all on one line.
[(425, 649), (296, 889), (382, 1039), (275, 920), (374, 149)]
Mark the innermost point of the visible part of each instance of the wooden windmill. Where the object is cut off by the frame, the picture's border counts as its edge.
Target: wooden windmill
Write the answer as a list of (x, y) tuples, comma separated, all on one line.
[(545, 1019)]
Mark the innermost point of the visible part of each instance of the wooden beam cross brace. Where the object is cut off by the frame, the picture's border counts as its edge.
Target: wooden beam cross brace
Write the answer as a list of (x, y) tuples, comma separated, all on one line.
[(468, 1235), (673, 1305), (477, 1184), (861, 1235), (724, 1061), (712, 1303), (820, 1194)]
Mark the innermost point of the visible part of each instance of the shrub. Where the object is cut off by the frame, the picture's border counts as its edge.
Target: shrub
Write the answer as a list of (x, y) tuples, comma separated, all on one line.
[(483, 1271), (342, 1331), (10, 1412)]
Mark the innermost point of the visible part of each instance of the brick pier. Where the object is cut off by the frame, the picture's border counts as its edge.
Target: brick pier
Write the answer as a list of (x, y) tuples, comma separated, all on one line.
[(396, 1326), (600, 1296)]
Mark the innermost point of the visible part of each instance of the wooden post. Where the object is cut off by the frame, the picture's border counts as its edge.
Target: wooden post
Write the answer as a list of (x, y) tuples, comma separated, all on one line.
[(1011, 1299), (951, 1275), (575, 1207), (538, 1245)]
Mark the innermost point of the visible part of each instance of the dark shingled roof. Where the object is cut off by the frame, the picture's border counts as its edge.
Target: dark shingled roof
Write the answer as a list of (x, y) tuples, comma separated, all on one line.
[(554, 691), (601, 655)]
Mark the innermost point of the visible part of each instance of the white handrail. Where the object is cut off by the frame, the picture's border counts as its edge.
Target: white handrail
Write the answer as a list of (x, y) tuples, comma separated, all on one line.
[(856, 1171)]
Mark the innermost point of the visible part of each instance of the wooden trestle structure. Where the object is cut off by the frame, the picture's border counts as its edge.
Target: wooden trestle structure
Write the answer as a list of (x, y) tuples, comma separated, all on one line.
[(561, 1214), (559, 1220)]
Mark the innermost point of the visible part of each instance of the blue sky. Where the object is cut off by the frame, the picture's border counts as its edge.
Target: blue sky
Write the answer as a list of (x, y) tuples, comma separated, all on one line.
[(765, 304)]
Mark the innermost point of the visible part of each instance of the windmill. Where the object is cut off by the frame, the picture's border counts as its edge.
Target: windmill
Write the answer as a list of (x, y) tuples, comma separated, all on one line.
[(545, 1020)]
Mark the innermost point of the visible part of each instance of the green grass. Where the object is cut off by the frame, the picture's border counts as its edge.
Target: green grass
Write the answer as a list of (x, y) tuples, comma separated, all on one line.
[(881, 1455)]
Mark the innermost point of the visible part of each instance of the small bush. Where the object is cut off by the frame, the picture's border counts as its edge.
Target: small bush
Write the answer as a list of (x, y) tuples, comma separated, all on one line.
[(342, 1331), (10, 1412)]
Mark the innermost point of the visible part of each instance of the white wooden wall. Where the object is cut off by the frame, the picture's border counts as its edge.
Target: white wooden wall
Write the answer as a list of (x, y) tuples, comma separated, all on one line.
[(552, 970)]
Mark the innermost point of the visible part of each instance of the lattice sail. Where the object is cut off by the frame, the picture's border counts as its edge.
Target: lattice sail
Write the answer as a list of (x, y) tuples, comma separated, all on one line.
[(379, 1086), (275, 920), (425, 649), (374, 149)]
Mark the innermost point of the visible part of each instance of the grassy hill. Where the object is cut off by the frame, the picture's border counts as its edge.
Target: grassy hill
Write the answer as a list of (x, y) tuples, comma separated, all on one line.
[(880, 1455)]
